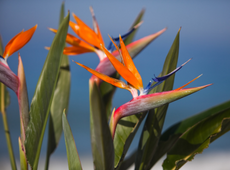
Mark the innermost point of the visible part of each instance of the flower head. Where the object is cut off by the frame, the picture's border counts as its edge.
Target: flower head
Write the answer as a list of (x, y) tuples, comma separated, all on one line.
[(17, 42), (143, 101), (128, 71), (90, 40), (17, 82)]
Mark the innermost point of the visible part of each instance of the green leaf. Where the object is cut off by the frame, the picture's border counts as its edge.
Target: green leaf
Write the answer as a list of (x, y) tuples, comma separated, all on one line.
[(108, 90), (40, 105), (172, 134), (131, 36), (71, 150), (154, 122), (216, 122), (127, 128), (59, 103), (101, 139)]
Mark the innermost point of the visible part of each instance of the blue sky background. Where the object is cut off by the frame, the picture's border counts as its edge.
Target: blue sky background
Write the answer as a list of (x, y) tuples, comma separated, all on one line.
[(205, 37)]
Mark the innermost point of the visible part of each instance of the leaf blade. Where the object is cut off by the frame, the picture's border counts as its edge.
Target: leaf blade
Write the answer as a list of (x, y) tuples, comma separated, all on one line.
[(41, 102), (101, 139), (197, 138), (71, 150), (172, 134), (60, 101)]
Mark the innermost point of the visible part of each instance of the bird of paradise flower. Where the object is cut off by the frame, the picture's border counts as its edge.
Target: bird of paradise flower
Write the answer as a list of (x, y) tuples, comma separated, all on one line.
[(143, 101)]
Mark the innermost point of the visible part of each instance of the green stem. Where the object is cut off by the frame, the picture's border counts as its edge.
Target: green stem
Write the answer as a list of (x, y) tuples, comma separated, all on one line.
[(8, 141), (6, 128)]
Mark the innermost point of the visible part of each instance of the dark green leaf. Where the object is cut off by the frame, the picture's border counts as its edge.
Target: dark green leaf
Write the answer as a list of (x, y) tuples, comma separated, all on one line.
[(130, 38), (171, 135), (198, 137), (154, 123), (59, 103), (74, 162), (40, 105), (101, 139)]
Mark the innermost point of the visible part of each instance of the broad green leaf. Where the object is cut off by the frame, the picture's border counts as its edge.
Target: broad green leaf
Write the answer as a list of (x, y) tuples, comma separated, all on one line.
[(198, 137), (126, 132), (59, 103), (41, 102), (101, 139), (108, 90), (22, 154), (154, 122), (71, 150), (172, 134)]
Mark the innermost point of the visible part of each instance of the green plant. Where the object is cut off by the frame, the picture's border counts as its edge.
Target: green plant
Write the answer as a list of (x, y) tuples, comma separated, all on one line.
[(110, 141)]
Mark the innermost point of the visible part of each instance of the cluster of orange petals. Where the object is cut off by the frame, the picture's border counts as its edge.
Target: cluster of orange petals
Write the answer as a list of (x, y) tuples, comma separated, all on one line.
[(125, 68), (89, 41)]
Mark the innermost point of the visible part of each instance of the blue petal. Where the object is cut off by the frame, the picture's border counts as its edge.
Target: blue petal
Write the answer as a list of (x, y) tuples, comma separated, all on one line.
[(111, 47), (159, 80)]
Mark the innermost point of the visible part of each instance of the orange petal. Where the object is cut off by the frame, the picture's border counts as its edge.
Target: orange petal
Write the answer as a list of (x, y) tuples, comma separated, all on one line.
[(74, 50), (18, 41), (9, 43), (129, 62), (74, 41), (96, 26), (187, 83), (113, 81), (117, 50), (122, 70), (85, 32)]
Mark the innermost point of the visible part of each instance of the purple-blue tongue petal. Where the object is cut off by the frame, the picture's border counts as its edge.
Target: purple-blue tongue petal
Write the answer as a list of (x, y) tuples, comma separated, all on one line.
[(159, 80)]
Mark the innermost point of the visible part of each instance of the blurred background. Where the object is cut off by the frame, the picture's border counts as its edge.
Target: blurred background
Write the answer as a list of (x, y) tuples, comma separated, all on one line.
[(204, 37)]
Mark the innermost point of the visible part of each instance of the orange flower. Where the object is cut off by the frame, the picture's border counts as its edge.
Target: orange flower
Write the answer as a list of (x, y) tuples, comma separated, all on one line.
[(128, 71), (90, 40), (143, 101), (17, 42)]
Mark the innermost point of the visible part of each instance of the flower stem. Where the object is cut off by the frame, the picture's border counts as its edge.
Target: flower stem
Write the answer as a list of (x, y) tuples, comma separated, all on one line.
[(6, 128)]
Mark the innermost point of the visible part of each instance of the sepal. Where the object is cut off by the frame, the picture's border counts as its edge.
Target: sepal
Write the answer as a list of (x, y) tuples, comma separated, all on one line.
[(8, 78), (147, 102)]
